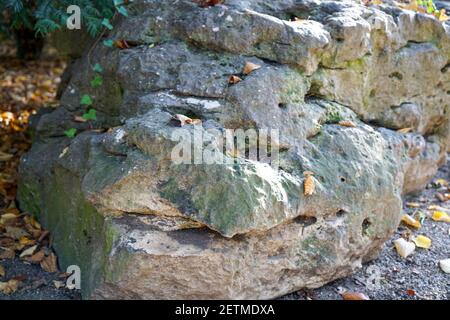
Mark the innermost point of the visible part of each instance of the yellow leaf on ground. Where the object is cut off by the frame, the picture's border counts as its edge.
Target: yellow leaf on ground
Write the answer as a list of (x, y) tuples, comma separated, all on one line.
[(422, 242), (440, 216), (441, 182), (410, 221), (9, 287), (25, 241)]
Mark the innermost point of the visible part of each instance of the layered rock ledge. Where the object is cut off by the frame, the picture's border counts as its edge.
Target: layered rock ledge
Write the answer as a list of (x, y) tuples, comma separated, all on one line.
[(141, 226)]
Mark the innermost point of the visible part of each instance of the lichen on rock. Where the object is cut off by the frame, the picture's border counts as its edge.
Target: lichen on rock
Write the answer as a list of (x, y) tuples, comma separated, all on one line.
[(142, 226)]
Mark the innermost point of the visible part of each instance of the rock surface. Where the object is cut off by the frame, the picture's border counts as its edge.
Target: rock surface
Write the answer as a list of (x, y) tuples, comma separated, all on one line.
[(141, 226)]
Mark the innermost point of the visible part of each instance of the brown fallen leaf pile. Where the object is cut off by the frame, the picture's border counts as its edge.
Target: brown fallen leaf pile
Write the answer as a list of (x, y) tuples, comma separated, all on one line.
[(25, 86)]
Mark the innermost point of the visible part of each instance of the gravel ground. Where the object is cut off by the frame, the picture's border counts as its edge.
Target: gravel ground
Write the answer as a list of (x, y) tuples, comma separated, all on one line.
[(417, 277), (35, 283)]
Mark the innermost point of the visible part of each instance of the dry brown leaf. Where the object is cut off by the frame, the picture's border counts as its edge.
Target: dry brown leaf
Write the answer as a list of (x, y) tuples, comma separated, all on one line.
[(404, 130), (9, 287), (208, 3), (5, 156), (347, 123), (49, 263), (15, 232), (250, 67), (354, 296), (181, 120), (233, 79), (121, 44), (2, 271), (79, 119), (309, 186), (7, 254), (37, 257)]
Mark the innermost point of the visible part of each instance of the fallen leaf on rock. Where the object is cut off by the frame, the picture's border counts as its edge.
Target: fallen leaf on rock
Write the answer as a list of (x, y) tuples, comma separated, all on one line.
[(347, 123), (121, 44), (28, 252), (422, 242), (440, 216), (49, 263), (181, 120), (309, 186), (404, 130), (234, 79), (63, 152), (9, 287), (404, 248), (79, 119), (2, 271), (410, 221), (208, 3), (354, 296), (445, 265), (250, 67)]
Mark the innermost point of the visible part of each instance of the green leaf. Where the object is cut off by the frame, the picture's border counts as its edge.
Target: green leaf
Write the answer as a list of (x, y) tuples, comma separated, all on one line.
[(109, 43), (71, 132), (90, 115), (118, 3), (122, 10), (97, 68), (107, 24), (86, 100), (97, 81)]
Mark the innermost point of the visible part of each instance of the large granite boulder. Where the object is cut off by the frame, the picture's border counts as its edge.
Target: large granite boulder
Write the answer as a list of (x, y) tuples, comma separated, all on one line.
[(141, 225)]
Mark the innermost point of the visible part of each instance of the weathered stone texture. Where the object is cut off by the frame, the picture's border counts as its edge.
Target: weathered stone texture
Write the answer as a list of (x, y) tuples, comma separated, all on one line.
[(141, 226)]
